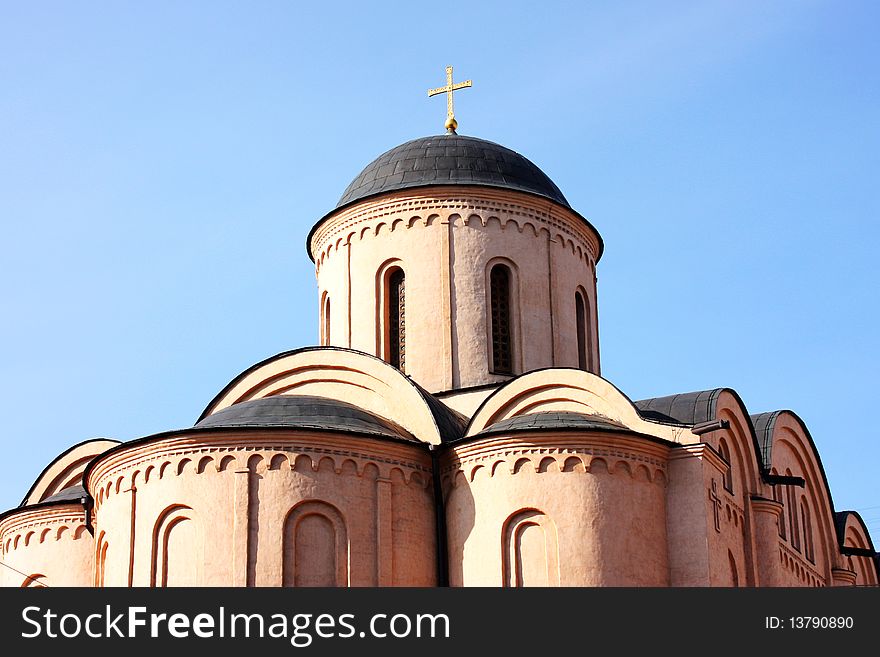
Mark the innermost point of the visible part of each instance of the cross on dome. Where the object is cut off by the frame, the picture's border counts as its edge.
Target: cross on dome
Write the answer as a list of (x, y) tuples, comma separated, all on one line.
[(451, 124)]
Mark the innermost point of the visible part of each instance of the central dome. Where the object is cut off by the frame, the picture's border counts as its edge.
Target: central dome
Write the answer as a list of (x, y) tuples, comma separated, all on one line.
[(450, 160)]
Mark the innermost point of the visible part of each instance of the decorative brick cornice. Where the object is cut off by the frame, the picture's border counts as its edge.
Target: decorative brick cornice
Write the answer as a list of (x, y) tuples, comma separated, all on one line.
[(567, 454), (795, 561), (39, 524), (409, 208), (764, 505), (844, 577), (193, 455), (702, 451)]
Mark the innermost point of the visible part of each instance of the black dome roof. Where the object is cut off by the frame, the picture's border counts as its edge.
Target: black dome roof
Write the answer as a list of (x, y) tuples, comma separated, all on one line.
[(450, 160)]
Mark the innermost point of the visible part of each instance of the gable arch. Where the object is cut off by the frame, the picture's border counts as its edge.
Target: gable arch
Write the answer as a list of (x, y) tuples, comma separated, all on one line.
[(565, 389), (789, 446), (741, 441), (66, 470), (345, 375), (853, 533)]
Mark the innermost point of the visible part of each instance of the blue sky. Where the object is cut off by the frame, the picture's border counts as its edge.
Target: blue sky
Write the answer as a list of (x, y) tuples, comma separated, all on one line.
[(161, 164)]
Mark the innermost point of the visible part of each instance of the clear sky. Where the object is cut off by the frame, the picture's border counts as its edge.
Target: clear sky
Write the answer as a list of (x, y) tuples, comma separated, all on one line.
[(162, 162)]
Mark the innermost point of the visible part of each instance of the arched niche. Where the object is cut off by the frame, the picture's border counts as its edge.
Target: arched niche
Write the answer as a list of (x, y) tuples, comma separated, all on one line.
[(315, 546), (530, 551), (175, 548), (66, 470), (34, 581)]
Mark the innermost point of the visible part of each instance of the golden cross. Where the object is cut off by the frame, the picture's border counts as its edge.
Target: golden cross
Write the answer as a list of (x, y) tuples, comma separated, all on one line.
[(451, 123)]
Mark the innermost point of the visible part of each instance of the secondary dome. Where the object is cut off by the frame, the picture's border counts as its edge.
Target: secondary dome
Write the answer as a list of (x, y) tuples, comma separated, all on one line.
[(450, 160)]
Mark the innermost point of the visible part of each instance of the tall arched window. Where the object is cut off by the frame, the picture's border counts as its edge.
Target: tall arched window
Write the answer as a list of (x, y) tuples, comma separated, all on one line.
[(325, 320), (728, 473), (777, 496), (499, 302), (793, 525), (580, 308), (807, 524), (395, 317)]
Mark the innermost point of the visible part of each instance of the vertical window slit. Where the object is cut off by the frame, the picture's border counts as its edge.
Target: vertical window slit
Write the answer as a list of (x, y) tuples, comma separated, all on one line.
[(396, 319), (502, 353)]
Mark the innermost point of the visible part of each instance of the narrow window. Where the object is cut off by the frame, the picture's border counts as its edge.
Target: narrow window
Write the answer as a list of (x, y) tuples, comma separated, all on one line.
[(807, 523), (728, 473), (793, 528), (395, 318), (502, 352), (325, 314), (581, 312), (777, 496)]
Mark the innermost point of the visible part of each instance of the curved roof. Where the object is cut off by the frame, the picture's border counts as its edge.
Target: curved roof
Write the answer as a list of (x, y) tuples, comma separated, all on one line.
[(304, 412), (840, 521), (450, 159), (564, 392), (685, 408), (72, 494), (327, 371), (66, 470), (694, 408), (764, 424), (552, 421)]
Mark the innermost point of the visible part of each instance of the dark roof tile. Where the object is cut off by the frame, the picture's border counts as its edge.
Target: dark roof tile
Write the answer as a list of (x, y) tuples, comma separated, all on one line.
[(305, 412), (553, 421), (451, 159)]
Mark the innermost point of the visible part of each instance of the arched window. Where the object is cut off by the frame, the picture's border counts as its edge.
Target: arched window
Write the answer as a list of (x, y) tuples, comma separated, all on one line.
[(777, 496), (395, 317), (807, 524), (325, 320), (728, 473), (793, 525), (499, 303), (580, 308)]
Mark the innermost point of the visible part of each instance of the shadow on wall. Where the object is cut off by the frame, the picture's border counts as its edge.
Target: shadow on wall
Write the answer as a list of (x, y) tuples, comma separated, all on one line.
[(256, 466), (460, 517)]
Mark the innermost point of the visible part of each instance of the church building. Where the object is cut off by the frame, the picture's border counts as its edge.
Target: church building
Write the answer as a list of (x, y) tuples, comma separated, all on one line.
[(452, 428)]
